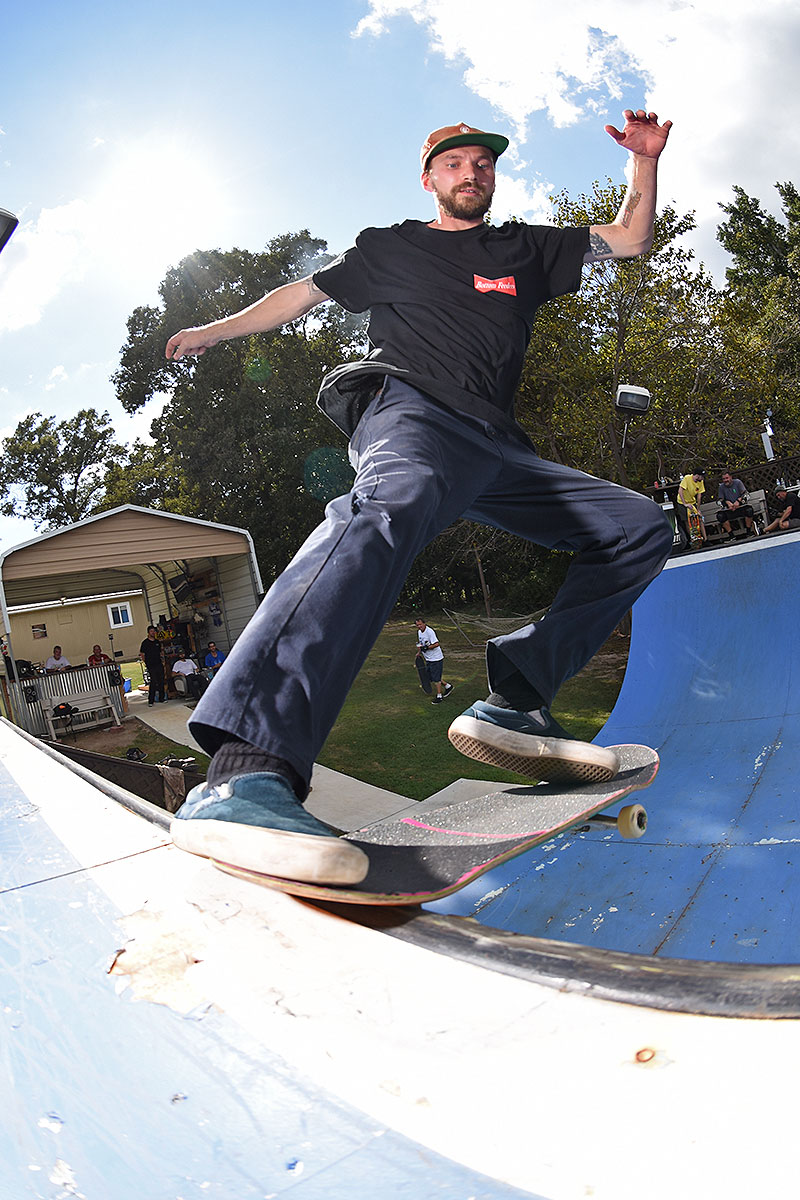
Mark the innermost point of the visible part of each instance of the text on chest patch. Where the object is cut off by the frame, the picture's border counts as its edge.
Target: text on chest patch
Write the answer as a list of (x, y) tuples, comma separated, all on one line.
[(507, 284)]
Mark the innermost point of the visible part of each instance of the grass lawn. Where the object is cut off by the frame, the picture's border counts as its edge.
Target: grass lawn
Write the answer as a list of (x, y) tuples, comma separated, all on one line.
[(390, 734), (133, 671)]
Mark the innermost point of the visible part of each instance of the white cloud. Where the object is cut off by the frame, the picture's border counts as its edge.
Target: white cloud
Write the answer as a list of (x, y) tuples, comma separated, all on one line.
[(56, 376), (517, 197), (529, 56), (724, 71), (44, 255), (140, 211)]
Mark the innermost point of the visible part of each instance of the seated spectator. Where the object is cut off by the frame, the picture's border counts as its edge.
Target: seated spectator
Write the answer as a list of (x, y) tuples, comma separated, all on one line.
[(788, 512), (732, 496), (97, 658), (187, 668), (215, 658), (57, 661)]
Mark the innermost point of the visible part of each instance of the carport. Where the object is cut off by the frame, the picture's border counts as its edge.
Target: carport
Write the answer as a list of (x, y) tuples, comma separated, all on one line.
[(190, 571)]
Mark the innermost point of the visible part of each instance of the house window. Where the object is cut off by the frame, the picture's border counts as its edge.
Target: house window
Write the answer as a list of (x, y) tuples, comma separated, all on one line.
[(119, 615)]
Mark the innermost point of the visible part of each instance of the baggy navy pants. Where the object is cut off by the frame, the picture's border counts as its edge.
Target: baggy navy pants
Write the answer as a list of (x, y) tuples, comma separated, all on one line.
[(419, 467)]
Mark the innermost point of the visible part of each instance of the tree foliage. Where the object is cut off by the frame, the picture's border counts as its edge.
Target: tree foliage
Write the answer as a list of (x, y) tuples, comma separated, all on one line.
[(52, 471), (711, 359), (650, 321), (239, 440), (759, 244), (760, 321), (239, 425)]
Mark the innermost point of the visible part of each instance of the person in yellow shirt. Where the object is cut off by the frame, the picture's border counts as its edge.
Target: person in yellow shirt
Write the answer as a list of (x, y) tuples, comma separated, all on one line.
[(690, 490)]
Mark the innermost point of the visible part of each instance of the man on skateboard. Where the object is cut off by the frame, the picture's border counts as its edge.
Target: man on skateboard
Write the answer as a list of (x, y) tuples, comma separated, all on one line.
[(429, 413)]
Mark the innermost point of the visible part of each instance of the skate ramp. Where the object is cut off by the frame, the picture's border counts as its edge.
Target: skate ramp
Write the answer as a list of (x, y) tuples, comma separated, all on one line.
[(713, 683)]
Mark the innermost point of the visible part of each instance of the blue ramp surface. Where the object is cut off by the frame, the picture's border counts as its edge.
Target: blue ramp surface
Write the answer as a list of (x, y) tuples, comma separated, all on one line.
[(713, 684)]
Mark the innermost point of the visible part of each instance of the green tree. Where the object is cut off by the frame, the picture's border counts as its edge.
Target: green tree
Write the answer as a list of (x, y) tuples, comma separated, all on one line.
[(150, 477), (761, 314), (650, 321), (52, 472), (759, 244), (654, 321), (234, 439)]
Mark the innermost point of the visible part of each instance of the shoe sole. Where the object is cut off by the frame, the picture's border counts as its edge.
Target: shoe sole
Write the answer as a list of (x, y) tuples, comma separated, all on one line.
[(555, 760), (303, 857)]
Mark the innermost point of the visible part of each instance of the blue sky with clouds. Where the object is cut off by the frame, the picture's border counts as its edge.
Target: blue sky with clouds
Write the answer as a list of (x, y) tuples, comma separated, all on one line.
[(131, 135)]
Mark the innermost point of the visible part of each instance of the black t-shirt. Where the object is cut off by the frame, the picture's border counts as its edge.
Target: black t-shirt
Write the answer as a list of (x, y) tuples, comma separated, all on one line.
[(152, 653), (451, 312)]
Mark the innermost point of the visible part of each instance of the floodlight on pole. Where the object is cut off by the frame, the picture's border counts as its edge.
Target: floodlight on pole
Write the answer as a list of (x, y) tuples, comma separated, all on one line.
[(631, 399)]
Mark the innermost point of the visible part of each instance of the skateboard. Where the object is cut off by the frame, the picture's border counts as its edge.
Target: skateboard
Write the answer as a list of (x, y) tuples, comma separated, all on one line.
[(695, 527), (415, 859), (424, 675)]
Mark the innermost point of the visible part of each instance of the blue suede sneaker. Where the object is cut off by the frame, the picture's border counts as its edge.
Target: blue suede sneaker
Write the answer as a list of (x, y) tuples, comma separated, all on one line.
[(531, 744), (256, 821)]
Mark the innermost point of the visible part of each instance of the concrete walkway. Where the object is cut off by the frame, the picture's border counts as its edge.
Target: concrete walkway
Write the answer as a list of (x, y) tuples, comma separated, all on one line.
[(168, 719), (339, 800)]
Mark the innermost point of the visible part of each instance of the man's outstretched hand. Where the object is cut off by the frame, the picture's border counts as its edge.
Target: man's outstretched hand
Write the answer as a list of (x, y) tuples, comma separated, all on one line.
[(642, 133), (193, 341)]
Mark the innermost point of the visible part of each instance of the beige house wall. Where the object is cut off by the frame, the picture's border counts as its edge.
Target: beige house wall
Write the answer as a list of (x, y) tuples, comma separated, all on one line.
[(75, 627)]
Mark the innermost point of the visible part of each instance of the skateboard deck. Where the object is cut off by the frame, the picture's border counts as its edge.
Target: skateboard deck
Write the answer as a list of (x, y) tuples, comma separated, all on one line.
[(424, 675), (415, 859), (695, 528)]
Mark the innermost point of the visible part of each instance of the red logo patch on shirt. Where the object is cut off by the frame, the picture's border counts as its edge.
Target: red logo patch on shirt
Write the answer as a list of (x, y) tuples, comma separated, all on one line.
[(507, 284)]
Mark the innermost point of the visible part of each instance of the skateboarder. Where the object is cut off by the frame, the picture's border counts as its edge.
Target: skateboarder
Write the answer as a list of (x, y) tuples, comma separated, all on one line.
[(429, 414), (428, 646)]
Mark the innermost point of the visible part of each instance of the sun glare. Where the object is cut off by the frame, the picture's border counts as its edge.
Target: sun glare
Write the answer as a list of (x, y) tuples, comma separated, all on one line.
[(158, 202)]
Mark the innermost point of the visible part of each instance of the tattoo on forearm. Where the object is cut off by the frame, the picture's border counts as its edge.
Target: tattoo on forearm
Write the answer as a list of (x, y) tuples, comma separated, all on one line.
[(628, 211), (599, 246), (313, 291)]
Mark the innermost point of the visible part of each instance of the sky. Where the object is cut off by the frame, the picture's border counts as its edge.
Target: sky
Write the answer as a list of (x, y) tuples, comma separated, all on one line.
[(132, 135)]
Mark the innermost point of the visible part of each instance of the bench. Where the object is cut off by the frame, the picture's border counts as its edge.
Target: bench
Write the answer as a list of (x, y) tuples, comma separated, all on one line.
[(710, 512), (85, 709)]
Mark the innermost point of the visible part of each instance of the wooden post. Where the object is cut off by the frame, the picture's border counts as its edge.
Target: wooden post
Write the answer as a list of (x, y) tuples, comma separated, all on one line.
[(486, 600)]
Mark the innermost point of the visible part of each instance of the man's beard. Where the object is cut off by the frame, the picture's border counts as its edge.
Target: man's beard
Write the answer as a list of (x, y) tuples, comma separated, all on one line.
[(464, 207)]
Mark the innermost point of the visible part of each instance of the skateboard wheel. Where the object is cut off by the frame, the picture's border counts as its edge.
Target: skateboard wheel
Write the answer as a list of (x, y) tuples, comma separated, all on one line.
[(632, 821)]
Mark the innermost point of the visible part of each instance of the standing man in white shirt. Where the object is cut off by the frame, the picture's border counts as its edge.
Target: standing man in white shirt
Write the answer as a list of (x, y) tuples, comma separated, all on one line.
[(428, 646)]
